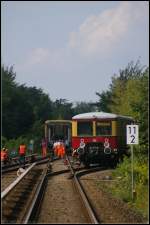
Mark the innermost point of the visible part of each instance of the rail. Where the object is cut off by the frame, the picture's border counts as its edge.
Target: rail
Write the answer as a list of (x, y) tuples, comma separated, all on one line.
[(26, 157), (33, 207), (36, 201), (92, 214), (14, 161), (25, 198), (17, 166), (16, 182)]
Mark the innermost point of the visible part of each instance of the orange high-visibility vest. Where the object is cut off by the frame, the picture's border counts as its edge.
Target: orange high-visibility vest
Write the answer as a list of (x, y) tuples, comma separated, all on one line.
[(56, 148), (62, 150), (44, 151), (3, 155), (22, 149)]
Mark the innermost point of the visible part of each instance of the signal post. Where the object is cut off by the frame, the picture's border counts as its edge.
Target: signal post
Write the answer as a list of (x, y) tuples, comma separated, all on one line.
[(132, 132)]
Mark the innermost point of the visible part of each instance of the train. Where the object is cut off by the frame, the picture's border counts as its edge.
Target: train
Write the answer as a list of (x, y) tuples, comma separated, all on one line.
[(58, 130), (98, 137)]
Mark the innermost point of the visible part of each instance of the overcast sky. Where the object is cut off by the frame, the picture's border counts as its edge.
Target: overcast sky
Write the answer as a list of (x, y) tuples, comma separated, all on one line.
[(72, 49)]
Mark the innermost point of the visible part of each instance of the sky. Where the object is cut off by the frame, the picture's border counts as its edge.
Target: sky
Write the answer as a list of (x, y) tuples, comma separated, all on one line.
[(71, 49)]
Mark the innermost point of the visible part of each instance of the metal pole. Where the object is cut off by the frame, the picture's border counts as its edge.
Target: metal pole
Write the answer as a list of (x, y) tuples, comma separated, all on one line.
[(132, 170)]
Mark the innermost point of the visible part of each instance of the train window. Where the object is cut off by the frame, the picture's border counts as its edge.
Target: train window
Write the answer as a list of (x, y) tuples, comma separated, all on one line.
[(58, 132), (103, 128), (85, 128)]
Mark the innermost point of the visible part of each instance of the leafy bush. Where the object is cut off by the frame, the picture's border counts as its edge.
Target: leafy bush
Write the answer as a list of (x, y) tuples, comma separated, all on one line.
[(3, 141), (123, 188)]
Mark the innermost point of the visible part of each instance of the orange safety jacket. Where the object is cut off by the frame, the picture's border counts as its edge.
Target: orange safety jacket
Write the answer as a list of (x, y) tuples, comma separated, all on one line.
[(3, 155), (62, 150), (56, 148), (22, 149)]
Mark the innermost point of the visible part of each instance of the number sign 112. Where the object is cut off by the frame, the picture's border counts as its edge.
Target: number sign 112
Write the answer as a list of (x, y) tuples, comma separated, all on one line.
[(132, 132)]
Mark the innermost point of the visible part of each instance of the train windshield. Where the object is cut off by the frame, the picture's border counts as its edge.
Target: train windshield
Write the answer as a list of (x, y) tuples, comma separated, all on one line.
[(57, 132), (103, 128), (85, 129)]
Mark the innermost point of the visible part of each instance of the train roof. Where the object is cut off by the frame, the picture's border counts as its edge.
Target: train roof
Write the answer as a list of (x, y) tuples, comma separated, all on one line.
[(99, 115), (57, 121)]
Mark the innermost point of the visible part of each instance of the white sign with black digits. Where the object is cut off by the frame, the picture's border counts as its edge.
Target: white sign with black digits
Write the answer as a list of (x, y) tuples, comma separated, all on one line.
[(132, 132)]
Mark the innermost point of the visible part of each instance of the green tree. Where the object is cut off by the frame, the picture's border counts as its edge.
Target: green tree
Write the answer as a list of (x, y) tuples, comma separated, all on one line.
[(128, 95), (105, 99), (62, 109), (83, 107), (21, 106), (16, 114)]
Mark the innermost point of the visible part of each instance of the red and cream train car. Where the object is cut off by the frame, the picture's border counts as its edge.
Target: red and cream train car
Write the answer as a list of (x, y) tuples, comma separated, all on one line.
[(100, 137)]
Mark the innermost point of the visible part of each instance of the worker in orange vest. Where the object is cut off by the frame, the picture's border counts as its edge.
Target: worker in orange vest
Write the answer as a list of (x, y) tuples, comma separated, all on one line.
[(58, 149), (55, 147), (61, 150), (22, 153), (4, 156), (44, 148)]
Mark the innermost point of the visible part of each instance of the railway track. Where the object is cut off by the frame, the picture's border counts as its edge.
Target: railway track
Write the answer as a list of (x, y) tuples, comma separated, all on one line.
[(22, 200), (6, 180), (84, 197), (19, 198), (65, 200), (17, 165)]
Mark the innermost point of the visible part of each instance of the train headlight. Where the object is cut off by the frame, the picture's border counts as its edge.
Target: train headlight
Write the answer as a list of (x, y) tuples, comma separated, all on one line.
[(107, 150), (106, 143), (115, 150)]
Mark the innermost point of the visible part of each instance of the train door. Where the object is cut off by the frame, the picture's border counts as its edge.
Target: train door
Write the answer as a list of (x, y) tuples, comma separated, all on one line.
[(67, 134)]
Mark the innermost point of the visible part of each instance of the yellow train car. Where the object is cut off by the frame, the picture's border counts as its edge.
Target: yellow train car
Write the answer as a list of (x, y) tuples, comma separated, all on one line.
[(58, 130)]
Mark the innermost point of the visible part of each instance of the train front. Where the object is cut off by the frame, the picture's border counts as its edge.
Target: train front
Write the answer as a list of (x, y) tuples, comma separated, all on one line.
[(94, 136), (58, 130)]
